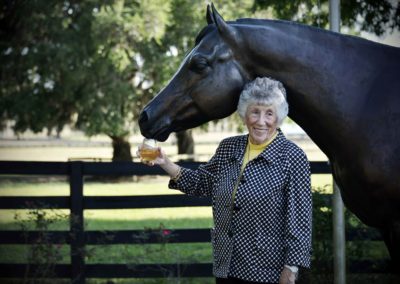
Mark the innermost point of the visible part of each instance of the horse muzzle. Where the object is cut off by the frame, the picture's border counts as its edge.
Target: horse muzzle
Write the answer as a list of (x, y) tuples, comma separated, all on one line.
[(158, 129)]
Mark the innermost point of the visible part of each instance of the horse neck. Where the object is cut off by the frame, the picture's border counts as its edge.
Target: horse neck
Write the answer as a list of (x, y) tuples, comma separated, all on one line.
[(321, 72)]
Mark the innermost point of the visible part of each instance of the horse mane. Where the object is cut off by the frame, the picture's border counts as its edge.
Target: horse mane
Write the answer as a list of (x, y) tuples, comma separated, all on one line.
[(264, 22), (254, 22)]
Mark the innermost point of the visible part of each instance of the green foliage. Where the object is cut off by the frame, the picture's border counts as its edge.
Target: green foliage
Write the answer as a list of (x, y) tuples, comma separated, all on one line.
[(362, 15), (163, 251), (323, 236), (74, 62), (43, 49), (41, 252)]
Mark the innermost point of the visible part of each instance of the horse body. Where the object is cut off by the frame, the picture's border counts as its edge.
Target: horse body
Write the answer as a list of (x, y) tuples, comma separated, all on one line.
[(342, 90)]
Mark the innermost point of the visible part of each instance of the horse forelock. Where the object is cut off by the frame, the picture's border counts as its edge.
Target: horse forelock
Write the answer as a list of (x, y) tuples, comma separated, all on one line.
[(203, 33)]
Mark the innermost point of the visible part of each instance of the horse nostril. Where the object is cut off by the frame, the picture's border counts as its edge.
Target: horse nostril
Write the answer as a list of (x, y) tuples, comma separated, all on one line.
[(143, 118)]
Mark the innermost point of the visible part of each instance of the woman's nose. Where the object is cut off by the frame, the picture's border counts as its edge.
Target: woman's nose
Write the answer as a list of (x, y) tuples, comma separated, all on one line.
[(262, 120)]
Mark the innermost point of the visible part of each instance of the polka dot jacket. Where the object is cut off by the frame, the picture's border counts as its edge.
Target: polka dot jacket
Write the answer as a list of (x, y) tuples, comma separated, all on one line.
[(269, 223)]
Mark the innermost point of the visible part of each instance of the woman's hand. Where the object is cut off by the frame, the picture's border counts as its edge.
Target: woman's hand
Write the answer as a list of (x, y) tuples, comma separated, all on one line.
[(164, 162), (160, 160), (287, 276)]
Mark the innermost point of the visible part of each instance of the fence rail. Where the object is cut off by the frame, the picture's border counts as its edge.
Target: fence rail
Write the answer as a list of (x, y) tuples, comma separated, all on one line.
[(78, 271), (143, 237)]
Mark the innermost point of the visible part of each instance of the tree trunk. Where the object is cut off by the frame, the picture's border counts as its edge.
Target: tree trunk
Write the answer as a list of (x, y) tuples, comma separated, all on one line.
[(121, 149), (185, 143)]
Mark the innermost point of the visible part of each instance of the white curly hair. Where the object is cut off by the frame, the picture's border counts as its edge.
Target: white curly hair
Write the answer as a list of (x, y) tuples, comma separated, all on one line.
[(264, 91)]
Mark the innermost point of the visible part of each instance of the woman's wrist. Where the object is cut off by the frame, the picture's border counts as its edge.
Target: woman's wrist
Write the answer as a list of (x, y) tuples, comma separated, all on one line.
[(177, 175), (172, 169), (294, 269)]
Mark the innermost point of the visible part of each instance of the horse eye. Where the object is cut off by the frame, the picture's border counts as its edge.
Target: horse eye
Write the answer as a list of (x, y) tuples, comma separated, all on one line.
[(198, 64)]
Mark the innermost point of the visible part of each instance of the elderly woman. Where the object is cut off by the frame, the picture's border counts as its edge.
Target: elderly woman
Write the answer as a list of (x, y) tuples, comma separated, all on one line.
[(261, 196)]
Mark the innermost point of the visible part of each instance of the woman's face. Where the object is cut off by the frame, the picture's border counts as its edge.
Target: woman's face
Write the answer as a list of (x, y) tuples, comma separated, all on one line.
[(261, 121)]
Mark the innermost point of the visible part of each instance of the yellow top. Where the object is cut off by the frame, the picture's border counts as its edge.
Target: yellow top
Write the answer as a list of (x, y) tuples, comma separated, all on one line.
[(253, 150)]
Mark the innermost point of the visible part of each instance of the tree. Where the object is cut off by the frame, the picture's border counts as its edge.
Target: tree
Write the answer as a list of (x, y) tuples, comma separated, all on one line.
[(371, 16), (43, 45), (120, 85), (74, 62)]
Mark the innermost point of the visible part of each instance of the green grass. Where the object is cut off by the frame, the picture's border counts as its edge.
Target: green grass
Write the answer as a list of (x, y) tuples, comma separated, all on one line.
[(122, 253), (128, 219)]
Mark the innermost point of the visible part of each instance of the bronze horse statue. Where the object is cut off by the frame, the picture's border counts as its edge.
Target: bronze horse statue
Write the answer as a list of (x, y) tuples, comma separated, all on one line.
[(344, 91)]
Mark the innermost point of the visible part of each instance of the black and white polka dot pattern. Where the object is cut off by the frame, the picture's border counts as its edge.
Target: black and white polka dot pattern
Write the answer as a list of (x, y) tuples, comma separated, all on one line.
[(270, 224)]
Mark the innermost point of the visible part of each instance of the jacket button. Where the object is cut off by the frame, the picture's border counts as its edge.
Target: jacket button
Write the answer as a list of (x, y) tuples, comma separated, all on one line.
[(236, 208)]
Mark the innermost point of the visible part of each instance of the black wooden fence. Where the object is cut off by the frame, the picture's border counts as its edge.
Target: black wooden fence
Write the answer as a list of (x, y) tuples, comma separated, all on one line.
[(77, 237)]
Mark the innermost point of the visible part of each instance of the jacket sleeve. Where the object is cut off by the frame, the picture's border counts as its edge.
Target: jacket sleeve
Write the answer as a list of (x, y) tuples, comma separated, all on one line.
[(298, 228), (198, 182)]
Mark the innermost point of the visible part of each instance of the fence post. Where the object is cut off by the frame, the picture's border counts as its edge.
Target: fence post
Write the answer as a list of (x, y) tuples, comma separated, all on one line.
[(76, 223), (339, 241)]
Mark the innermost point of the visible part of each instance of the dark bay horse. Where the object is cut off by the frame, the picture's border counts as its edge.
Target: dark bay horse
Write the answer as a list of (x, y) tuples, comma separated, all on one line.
[(344, 91)]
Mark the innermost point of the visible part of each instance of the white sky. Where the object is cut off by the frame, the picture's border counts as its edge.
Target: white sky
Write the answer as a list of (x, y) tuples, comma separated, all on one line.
[(389, 39)]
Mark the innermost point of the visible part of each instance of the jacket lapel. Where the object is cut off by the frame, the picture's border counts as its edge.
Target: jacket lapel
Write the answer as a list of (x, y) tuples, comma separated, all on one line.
[(270, 154), (273, 151), (240, 147)]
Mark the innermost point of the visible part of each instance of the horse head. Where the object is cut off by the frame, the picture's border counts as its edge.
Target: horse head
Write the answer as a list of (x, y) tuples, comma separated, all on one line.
[(205, 87)]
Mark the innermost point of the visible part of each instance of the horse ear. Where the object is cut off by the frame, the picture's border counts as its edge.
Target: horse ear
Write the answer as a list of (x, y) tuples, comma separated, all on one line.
[(226, 31), (209, 17)]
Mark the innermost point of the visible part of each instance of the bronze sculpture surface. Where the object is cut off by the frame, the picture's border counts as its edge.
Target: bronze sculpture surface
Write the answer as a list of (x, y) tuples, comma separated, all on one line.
[(344, 91)]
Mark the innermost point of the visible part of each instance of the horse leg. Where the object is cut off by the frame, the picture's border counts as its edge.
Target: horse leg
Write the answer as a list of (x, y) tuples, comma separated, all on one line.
[(391, 236)]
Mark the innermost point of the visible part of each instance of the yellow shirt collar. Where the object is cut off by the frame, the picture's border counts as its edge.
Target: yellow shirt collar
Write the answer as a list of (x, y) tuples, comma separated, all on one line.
[(255, 147)]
